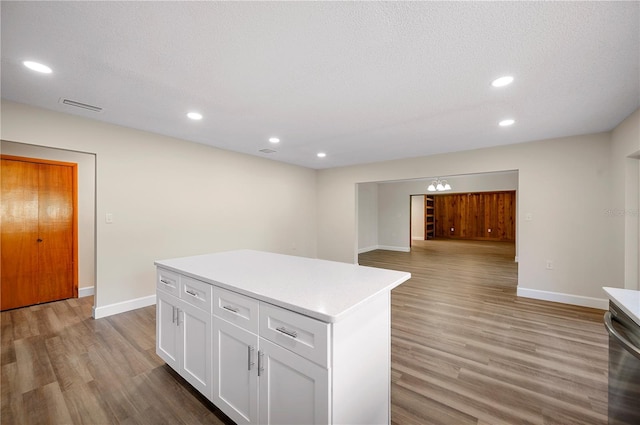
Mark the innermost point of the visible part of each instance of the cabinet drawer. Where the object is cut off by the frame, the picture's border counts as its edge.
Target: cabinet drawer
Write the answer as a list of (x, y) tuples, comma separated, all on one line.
[(168, 282), (196, 293), (238, 309), (301, 334)]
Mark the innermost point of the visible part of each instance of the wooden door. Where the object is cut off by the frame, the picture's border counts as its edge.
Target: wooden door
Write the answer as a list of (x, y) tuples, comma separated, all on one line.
[(38, 231)]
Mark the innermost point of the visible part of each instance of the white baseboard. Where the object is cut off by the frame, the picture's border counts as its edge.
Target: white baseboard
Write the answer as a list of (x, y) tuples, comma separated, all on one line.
[(385, 247), (516, 258), (395, 248), (86, 292), (121, 307), (601, 303), (367, 249), (417, 238)]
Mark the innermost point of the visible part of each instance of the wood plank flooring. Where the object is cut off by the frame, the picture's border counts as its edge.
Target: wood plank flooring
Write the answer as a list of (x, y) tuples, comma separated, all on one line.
[(59, 366), (465, 350)]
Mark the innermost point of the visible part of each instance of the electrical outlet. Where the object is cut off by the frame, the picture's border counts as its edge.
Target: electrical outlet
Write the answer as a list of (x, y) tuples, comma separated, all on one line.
[(108, 218), (549, 265), (528, 217)]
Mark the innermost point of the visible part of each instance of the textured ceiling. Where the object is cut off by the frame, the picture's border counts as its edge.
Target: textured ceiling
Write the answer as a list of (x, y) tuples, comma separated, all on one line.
[(361, 81)]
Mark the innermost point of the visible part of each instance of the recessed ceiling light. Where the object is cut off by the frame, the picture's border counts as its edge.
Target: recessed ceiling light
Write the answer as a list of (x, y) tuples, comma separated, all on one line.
[(194, 115), (506, 123), (274, 140), (502, 81), (38, 67), (321, 154)]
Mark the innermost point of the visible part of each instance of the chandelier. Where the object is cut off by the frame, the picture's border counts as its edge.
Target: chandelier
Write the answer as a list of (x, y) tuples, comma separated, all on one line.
[(439, 186)]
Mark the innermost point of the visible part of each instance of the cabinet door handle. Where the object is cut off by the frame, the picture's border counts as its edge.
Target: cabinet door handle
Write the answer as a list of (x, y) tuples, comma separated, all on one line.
[(249, 356), (193, 294), (165, 282), (292, 334), (231, 308), (173, 314), (260, 361), (177, 316)]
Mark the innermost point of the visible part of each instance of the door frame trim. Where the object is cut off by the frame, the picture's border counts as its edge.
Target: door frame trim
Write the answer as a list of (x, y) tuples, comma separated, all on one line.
[(74, 172)]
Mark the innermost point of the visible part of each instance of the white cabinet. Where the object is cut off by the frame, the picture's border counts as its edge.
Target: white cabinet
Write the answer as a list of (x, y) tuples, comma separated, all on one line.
[(235, 373), (293, 390), (167, 332), (298, 333), (259, 381), (195, 344), (258, 335), (183, 330)]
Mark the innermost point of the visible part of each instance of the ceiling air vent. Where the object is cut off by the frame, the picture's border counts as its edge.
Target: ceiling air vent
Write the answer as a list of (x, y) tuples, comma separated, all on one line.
[(80, 105), (267, 151)]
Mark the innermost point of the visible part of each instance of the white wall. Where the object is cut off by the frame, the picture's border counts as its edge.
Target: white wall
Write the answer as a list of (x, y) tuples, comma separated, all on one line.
[(86, 203), (563, 183), (417, 218), (367, 217), (172, 198), (623, 212)]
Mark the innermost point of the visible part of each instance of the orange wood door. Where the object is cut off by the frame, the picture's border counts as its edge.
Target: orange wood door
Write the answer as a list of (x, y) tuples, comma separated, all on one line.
[(19, 221), (38, 233), (55, 230)]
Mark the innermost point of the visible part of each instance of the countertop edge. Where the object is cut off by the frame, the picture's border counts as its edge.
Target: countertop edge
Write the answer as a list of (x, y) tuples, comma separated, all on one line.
[(327, 318), (614, 295)]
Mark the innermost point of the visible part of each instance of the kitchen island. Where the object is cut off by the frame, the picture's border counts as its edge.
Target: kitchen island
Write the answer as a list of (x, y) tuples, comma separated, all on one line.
[(272, 338)]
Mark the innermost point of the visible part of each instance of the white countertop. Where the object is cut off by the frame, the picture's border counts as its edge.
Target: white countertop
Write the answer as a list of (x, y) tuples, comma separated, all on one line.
[(628, 300), (325, 290)]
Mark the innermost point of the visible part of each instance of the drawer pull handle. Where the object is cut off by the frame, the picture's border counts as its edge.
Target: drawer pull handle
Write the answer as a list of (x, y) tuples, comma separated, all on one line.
[(166, 282), (260, 362), (230, 308), (249, 354), (292, 334), (193, 294)]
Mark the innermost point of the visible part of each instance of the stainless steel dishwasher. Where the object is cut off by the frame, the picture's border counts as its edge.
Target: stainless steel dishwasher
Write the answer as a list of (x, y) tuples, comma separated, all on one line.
[(624, 367)]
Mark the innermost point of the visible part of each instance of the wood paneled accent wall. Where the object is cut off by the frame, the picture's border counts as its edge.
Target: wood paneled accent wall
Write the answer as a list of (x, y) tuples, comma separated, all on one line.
[(480, 216)]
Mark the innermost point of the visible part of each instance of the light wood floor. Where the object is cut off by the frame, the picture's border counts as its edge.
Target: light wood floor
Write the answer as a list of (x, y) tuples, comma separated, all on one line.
[(465, 350), (59, 366)]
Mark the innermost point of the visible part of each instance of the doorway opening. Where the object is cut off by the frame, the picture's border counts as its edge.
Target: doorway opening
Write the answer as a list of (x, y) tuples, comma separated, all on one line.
[(86, 204), (387, 221)]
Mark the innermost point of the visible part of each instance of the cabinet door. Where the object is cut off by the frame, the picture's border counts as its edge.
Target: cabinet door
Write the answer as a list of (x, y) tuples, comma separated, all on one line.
[(167, 331), (293, 390), (195, 335), (235, 374)]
